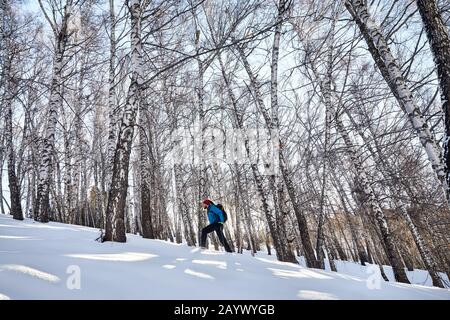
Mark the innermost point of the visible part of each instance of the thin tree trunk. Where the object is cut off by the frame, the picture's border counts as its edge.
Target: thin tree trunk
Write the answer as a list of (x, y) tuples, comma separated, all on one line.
[(144, 163), (112, 114), (238, 194), (202, 169), (42, 206), (189, 233), (331, 256), (14, 190), (439, 40), (278, 189), (119, 181), (328, 114)]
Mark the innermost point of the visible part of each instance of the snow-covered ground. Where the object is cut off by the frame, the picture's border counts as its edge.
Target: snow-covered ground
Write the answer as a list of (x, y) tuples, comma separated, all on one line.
[(45, 261)]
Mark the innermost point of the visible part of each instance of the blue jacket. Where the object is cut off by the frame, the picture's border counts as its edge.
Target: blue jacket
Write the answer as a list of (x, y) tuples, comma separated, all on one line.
[(214, 214)]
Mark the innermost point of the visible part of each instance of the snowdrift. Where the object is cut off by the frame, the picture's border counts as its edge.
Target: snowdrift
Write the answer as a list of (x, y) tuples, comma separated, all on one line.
[(59, 261)]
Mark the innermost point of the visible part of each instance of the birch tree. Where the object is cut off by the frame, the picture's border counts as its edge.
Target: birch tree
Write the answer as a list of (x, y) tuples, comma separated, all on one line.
[(119, 180), (439, 40), (112, 112), (61, 34), (10, 56)]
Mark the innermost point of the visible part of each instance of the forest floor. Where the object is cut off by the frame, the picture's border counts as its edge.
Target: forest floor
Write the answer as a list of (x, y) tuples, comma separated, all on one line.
[(50, 261)]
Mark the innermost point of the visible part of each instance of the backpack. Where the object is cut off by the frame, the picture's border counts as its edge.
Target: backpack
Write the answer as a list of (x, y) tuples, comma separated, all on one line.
[(225, 216)]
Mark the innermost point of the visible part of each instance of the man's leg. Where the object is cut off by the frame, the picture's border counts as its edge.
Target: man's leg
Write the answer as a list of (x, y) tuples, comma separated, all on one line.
[(205, 231), (219, 231)]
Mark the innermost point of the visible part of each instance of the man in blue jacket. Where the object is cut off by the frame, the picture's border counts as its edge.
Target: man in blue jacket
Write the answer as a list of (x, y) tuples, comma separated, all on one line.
[(216, 220)]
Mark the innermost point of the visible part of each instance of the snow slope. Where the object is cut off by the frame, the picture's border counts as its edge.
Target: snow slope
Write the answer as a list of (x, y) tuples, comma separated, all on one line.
[(38, 260)]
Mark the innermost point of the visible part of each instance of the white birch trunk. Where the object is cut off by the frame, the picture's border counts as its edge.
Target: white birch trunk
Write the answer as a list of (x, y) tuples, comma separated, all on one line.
[(112, 112), (7, 101), (439, 40), (392, 73), (119, 181), (45, 171), (112, 115)]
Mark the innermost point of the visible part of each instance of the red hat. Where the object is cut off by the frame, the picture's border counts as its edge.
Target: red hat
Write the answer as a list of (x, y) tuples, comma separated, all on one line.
[(207, 202)]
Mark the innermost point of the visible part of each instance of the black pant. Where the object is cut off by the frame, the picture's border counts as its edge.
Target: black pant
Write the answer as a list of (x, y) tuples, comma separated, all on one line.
[(218, 227)]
